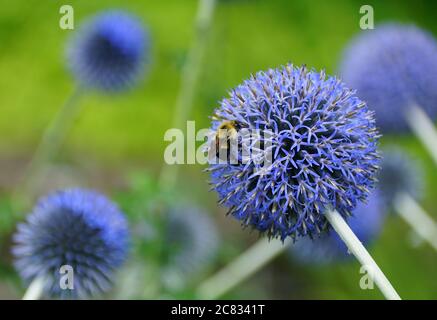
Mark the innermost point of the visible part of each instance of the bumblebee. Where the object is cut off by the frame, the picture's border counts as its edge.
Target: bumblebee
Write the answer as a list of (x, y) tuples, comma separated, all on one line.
[(226, 134)]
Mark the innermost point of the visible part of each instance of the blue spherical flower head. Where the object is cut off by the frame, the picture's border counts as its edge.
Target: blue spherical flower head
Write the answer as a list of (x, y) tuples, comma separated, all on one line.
[(399, 173), (75, 227), (322, 141), (366, 222), (393, 67), (109, 52), (192, 240)]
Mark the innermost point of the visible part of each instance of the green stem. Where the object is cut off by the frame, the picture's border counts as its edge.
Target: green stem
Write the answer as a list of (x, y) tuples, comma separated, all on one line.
[(418, 219), (263, 252), (247, 264), (190, 76), (35, 289), (50, 143), (424, 129), (361, 254)]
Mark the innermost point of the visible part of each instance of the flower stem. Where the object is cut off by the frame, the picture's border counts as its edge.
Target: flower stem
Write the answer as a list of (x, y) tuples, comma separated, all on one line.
[(424, 129), (242, 268), (265, 251), (35, 289), (359, 251), (190, 75), (417, 218), (50, 142)]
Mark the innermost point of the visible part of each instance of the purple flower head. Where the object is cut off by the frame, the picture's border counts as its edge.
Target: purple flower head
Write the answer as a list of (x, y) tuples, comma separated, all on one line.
[(75, 227), (322, 140), (109, 52), (366, 222), (392, 68), (399, 173)]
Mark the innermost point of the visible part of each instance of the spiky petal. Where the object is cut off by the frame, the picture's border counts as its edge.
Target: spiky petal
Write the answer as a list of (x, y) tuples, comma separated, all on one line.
[(323, 141), (75, 227)]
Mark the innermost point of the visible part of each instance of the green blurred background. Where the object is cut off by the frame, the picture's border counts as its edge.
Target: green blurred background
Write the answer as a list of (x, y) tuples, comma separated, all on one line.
[(116, 145)]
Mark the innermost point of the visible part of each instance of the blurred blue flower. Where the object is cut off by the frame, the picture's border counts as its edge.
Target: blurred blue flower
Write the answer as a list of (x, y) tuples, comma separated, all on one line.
[(366, 222), (109, 52), (75, 227), (393, 67), (399, 173), (323, 141), (192, 240)]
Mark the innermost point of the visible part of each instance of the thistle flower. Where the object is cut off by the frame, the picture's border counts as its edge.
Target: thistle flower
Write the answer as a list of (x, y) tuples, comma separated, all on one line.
[(109, 52), (192, 240), (366, 223), (392, 68), (399, 173), (76, 227), (323, 144)]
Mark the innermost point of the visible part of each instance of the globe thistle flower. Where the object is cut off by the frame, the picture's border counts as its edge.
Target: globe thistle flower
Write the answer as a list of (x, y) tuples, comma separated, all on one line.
[(399, 173), (76, 227), (392, 68), (192, 239), (322, 140), (366, 222), (109, 52)]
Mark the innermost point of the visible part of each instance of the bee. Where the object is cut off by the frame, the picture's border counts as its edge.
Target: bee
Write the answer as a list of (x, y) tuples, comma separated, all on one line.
[(226, 135)]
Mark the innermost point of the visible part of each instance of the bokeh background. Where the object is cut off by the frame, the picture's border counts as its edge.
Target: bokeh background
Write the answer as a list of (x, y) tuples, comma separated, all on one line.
[(116, 145)]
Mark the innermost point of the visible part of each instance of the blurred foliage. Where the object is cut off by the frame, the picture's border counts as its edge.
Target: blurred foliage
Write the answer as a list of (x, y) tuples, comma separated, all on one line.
[(117, 137)]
